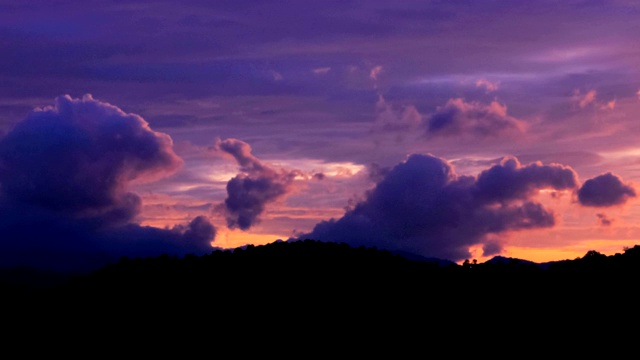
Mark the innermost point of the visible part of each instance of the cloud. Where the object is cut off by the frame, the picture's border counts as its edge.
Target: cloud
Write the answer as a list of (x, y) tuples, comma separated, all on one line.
[(590, 99), (582, 100), (275, 75), (65, 171), (510, 180), (199, 230), (321, 71), (458, 117), (78, 156), (605, 190), (610, 105), (488, 85), (256, 185), (389, 119), (375, 71), (604, 219), (422, 206), (373, 74)]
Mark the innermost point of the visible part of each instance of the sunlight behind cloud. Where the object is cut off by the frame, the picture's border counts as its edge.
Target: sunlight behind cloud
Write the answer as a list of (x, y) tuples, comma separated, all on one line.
[(333, 169)]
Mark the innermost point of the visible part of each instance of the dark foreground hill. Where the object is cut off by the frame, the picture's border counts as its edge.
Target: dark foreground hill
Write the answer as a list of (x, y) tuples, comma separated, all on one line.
[(290, 268), (311, 283)]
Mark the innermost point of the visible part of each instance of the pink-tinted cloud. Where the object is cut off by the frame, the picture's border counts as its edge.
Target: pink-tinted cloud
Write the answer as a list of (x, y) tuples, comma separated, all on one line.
[(321, 70), (609, 105), (582, 100), (390, 119), (375, 71), (487, 85)]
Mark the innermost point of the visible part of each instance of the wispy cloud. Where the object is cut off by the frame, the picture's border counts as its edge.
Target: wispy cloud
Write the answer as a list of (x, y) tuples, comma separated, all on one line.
[(487, 85)]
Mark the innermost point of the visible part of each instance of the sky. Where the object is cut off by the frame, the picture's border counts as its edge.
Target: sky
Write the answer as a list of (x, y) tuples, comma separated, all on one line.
[(448, 129)]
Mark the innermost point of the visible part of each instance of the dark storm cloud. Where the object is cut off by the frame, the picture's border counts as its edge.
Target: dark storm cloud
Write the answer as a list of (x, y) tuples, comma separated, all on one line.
[(64, 176), (605, 190), (458, 117), (256, 185), (423, 206)]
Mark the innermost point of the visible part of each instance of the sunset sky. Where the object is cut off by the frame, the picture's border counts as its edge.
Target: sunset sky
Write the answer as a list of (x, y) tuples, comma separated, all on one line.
[(449, 129)]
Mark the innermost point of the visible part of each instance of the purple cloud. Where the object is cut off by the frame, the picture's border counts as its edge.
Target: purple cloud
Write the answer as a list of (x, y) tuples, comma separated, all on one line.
[(198, 231), (604, 219), (78, 156), (458, 117), (256, 185), (605, 190), (65, 171), (423, 206), (510, 180)]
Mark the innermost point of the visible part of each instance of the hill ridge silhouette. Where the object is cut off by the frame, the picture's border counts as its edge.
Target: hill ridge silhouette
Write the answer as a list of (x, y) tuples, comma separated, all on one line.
[(316, 255), (305, 283)]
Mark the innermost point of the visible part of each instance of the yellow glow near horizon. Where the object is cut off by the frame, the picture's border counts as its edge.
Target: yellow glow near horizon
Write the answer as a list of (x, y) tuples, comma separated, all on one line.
[(231, 239), (607, 247)]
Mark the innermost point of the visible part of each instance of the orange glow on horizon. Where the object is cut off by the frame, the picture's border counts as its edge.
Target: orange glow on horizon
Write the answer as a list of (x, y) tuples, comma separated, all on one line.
[(231, 239)]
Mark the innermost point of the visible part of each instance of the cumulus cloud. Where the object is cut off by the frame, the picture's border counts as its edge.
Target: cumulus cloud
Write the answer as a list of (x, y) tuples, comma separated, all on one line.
[(422, 206), (605, 190), (65, 171), (510, 180), (249, 192), (78, 156), (458, 117)]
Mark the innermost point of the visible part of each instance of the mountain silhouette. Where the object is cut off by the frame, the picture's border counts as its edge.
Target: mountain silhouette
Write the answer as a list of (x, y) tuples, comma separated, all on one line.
[(311, 283)]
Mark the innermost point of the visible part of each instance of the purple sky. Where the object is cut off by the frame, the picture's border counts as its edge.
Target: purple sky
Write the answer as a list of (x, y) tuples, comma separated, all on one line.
[(454, 129)]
